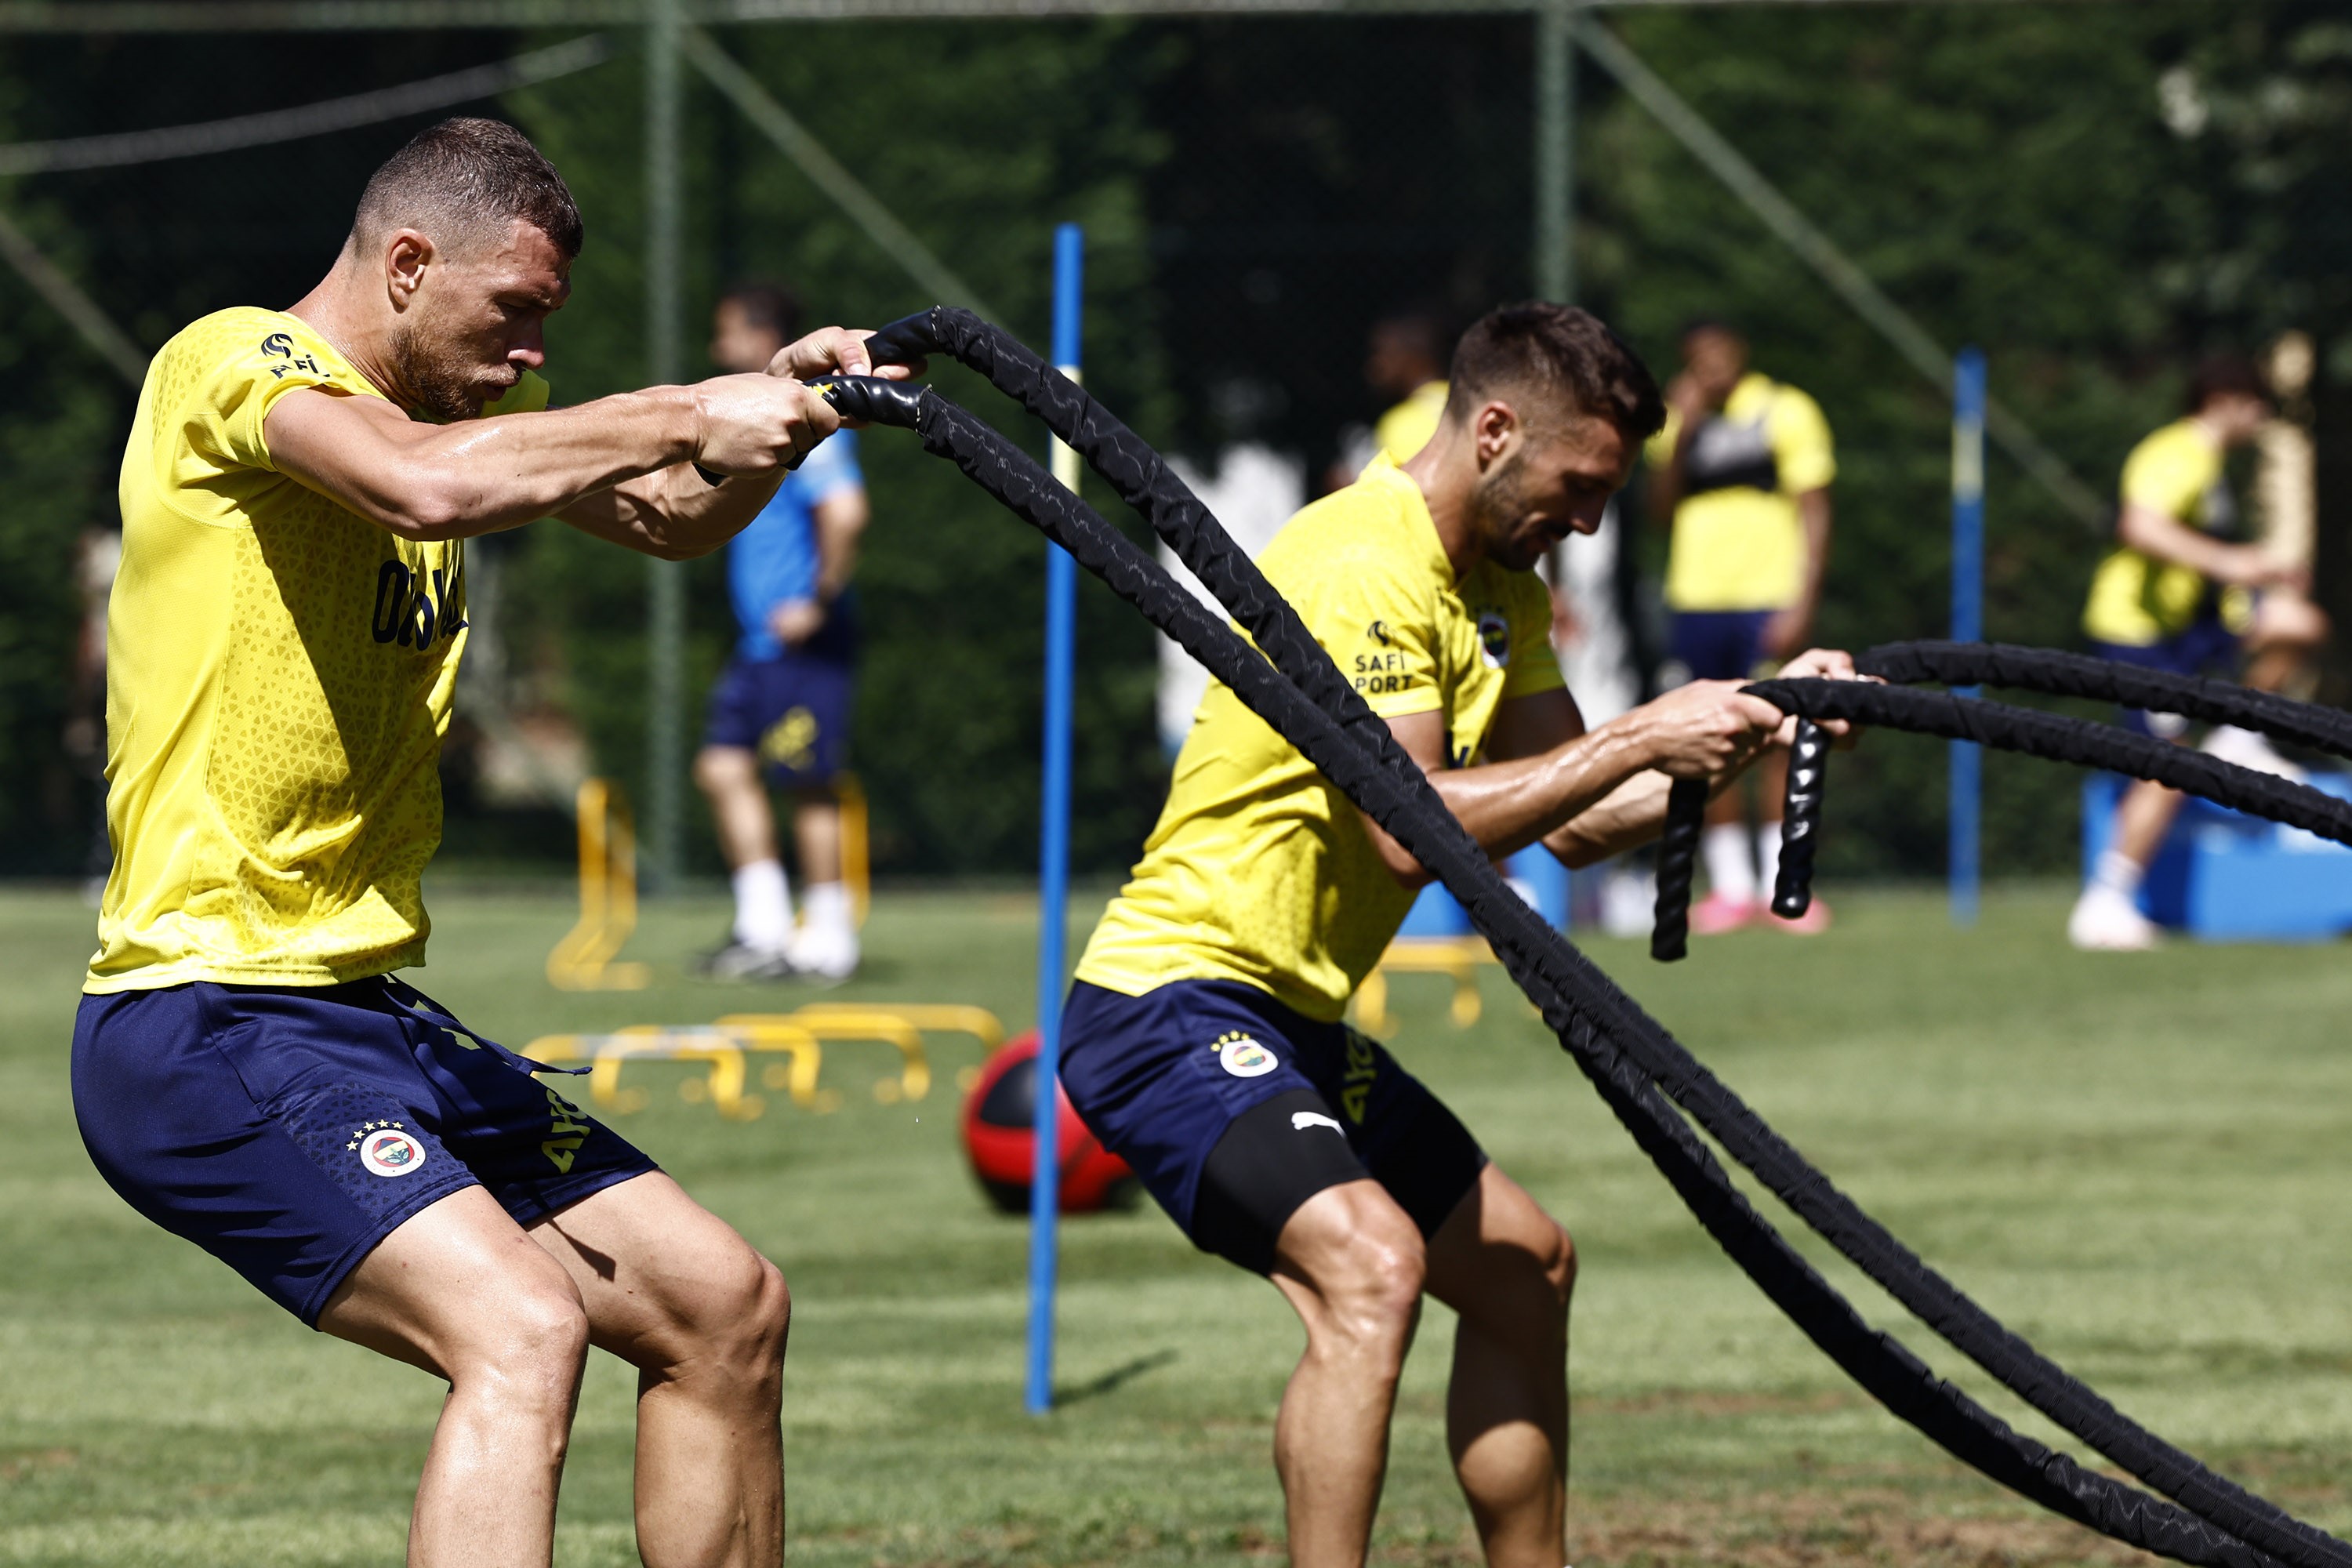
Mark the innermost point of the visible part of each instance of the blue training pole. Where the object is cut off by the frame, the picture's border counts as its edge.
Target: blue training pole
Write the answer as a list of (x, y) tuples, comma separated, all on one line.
[(1053, 857), (1968, 615)]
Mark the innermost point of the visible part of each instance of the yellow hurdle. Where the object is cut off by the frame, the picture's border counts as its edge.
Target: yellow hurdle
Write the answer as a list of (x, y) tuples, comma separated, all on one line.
[(723, 1086), (914, 1079), (1458, 956), (583, 961), (805, 1058), (856, 866)]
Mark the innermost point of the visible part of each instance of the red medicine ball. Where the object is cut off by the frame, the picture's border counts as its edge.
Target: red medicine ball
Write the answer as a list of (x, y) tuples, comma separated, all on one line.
[(1000, 1135)]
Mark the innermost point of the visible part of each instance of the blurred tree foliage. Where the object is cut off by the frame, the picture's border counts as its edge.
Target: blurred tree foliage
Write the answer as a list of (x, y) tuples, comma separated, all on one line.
[(2092, 193)]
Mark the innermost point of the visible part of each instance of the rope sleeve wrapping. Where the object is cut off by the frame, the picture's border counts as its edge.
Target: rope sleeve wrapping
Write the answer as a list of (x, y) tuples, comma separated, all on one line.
[(1678, 865), (1627, 1055), (1800, 820), (2059, 674)]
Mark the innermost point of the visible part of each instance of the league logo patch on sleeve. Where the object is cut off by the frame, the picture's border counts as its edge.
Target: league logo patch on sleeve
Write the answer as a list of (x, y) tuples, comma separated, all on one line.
[(1243, 1057)]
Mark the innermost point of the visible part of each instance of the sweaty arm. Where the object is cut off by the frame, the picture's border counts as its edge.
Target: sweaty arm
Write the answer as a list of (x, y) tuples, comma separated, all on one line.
[(1586, 796), (1552, 772), (620, 468)]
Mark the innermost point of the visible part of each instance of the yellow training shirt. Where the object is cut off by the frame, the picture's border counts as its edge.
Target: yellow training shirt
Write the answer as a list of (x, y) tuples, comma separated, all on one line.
[(1405, 429), (1260, 870), (1738, 543), (278, 675), (2135, 600)]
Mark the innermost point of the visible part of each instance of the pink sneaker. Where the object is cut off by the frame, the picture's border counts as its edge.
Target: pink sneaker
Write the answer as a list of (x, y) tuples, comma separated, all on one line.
[(1714, 914), (1813, 923)]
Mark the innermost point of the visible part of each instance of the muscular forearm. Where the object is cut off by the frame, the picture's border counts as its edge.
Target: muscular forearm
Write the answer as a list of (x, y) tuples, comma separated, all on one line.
[(675, 514), (454, 481), (1507, 806)]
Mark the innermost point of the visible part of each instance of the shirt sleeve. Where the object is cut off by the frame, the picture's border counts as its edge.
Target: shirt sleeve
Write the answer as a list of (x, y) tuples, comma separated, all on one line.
[(243, 388), (1659, 451), (1535, 664), (830, 468), (1376, 622), (2169, 476), (1801, 443)]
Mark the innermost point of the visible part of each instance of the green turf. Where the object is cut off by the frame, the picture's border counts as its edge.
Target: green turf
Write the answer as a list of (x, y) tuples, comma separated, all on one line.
[(2137, 1161)]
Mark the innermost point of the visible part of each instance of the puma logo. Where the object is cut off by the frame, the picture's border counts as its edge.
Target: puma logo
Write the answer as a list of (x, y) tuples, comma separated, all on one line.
[(1300, 1120)]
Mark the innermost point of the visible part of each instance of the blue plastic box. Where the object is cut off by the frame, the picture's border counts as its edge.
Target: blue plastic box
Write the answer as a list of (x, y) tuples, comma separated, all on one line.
[(2224, 876)]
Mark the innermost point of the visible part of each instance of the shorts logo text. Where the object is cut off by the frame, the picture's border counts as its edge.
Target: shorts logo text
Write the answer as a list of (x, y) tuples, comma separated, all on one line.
[(567, 1129)]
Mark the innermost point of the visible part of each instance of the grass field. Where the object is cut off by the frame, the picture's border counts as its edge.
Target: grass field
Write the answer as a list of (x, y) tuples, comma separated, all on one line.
[(2139, 1161)]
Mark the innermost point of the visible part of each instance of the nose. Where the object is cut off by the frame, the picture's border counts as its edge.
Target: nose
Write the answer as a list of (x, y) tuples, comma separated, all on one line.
[(529, 349)]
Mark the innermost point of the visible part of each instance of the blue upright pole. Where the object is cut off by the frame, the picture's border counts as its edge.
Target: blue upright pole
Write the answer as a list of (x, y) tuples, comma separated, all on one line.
[(1968, 615), (1053, 857)]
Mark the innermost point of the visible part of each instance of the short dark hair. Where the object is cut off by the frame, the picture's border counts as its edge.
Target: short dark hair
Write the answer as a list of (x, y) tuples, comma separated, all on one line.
[(767, 304), (2223, 375), (1556, 350), (1716, 324), (471, 177), (1421, 325)]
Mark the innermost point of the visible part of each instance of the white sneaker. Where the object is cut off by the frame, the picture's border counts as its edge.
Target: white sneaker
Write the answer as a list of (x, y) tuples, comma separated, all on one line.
[(823, 954), (2248, 750), (2104, 920)]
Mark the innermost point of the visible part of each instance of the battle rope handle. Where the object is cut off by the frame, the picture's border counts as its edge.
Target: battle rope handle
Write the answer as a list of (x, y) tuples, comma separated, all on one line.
[(1800, 820), (2056, 737), (2059, 674), (1677, 862), (1618, 1045)]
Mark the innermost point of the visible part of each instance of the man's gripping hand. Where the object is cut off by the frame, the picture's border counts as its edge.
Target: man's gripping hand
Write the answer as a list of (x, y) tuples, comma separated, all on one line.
[(1822, 664), (1707, 729), (755, 424), (841, 349)]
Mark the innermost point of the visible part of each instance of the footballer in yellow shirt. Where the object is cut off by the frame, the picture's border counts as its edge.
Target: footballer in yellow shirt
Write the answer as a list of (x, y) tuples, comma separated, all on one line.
[(297, 489), (2180, 593), (1741, 472), (1203, 1041)]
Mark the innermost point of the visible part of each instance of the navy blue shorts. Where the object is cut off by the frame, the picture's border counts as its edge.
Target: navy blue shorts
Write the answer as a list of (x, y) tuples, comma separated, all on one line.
[(287, 1130), (1721, 645), (2205, 646), (792, 709), (1160, 1080)]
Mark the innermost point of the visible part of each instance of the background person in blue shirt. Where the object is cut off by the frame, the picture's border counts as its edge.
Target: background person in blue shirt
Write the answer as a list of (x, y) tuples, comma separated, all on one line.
[(780, 713)]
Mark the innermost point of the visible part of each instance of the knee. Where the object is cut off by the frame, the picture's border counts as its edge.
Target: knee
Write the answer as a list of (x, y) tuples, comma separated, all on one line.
[(1372, 1290), (731, 1321), (720, 768), (1556, 1261), (532, 1353)]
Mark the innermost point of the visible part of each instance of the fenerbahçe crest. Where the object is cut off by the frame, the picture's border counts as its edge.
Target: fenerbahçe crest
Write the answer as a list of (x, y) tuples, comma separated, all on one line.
[(1494, 639), (1243, 1057), (385, 1150)]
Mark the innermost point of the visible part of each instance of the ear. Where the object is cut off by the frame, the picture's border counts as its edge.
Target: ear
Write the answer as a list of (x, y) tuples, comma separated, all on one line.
[(406, 256), (1493, 429)]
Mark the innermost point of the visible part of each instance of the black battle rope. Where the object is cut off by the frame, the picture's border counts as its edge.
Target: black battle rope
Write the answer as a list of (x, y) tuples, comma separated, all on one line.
[(1800, 820), (2058, 673), (1618, 1046), (2057, 737)]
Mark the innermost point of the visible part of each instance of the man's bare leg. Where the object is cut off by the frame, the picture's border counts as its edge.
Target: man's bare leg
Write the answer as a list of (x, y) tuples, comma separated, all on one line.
[(1352, 1262), (460, 1291), (730, 777), (1508, 1268), (672, 1289), (817, 833)]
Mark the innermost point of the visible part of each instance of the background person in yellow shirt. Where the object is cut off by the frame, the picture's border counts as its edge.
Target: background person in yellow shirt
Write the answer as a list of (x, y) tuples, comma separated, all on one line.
[(1741, 472), (2180, 593), (1405, 359), (1203, 1041), (282, 643)]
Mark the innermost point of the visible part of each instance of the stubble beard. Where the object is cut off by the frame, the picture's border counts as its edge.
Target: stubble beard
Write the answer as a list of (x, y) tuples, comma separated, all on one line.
[(437, 378), (1496, 506)]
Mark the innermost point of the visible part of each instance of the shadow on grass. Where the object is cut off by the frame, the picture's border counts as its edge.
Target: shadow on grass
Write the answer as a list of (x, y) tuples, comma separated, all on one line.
[(1096, 1387)]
